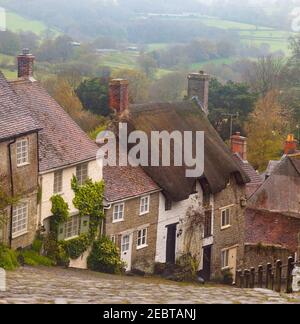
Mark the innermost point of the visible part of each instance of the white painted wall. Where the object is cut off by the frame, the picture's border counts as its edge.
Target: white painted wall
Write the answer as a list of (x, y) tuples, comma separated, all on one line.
[(46, 183), (175, 215)]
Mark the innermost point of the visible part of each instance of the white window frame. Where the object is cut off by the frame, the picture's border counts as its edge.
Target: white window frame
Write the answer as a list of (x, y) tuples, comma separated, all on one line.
[(117, 210), (19, 221), (225, 210), (143, 210), (22, 152), (71, 221), (61, 180), (225, 257), (142, 238), (79, 173)]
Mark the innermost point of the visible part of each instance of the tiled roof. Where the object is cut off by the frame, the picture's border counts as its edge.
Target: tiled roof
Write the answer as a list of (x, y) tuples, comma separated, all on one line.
[(61, 141), (15, 118), (281, 191), (126, 182), (248, 169)]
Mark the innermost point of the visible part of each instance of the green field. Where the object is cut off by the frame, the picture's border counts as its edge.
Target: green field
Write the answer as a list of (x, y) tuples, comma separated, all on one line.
[(17, 23), (9, 74)]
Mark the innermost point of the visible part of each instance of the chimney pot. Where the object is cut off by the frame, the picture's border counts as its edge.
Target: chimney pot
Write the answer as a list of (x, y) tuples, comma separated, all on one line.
[(119, 95), (198, 86), (25, 64), (239, 145), (290, 145)]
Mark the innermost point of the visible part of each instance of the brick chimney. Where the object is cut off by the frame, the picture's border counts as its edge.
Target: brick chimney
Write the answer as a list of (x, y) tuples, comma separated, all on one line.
[(198, 86), (25, 64), (239, 145), (290, 146), (118, 95)]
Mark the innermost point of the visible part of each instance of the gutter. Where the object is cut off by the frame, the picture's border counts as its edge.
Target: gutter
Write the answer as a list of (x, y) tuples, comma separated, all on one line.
[(12, 188)]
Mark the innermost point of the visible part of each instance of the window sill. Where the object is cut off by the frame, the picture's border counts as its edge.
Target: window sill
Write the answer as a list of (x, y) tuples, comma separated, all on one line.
[(16, 235), (225, 227), (145, 213), (118, 221), (142, 247), (23, 165), (71, 238)]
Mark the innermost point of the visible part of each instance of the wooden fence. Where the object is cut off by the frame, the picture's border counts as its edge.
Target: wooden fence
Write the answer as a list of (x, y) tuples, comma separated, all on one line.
[(276, 277)]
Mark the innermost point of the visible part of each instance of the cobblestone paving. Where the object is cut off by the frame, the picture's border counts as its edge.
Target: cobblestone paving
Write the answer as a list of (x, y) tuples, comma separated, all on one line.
[(59, 286)]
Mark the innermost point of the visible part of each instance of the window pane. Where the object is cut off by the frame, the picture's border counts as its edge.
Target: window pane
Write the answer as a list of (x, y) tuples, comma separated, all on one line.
[(58, 178), (82, 173), (22, 152), (20, 218), (118, 213), (72, 227)]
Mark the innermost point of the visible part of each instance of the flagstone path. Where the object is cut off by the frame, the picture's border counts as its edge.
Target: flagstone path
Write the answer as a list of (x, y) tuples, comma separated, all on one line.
[(60, 286)]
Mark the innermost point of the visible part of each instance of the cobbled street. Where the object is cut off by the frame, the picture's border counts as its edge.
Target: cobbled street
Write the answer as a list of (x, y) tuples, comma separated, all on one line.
[(64, 286)]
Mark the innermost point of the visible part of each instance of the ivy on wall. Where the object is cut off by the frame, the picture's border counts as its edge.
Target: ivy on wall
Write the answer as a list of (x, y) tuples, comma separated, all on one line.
[(89, 202)]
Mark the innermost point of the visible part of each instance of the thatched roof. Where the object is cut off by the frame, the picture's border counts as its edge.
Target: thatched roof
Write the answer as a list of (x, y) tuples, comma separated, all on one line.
[(185, 116)]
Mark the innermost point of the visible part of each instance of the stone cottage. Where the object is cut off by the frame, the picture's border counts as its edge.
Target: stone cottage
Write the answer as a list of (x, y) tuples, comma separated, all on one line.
[(202, 216), (131, 215), (18, 167), (63, 149)]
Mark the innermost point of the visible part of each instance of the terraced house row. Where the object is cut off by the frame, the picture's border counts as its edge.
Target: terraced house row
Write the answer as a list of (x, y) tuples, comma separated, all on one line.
[(153, 214)]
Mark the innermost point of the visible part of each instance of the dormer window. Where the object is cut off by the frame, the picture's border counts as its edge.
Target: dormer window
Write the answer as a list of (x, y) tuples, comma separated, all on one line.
[(22, 152)]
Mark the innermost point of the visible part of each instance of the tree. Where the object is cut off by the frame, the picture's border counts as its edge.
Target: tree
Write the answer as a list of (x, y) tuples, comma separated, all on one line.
[(138, 84), (62, 92), (170, 87), (266, 130), (93, 93), (148, 64), (229, 98), (265, 74), (59, 49)]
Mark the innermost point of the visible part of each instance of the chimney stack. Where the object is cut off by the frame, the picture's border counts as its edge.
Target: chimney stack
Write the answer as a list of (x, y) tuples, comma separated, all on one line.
[(198, 86), (119, 95), (25, 64), (290, 146), (239, 145)]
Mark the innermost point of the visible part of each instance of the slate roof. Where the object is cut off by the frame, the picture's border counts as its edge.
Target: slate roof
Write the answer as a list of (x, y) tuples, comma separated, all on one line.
[(280, 193), (15, 118), (126, 182), (185, 116), (255, 178), (61, 141)]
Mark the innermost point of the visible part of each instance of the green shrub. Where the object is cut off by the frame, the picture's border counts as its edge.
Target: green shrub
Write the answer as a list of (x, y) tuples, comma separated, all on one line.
[(76, 247), (32, 258), (8, 258), (105, 257), (37, 245)]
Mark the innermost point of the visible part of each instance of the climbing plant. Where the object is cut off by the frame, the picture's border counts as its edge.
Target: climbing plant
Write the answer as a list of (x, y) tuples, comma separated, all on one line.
[(6, 200), (60, 211), (89, 202)]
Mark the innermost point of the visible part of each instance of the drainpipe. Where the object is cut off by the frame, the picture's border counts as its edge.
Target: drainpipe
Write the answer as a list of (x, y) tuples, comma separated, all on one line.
[(12, 188)]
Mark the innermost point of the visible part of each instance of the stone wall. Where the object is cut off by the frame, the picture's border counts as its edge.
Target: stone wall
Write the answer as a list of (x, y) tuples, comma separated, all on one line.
[(232, 236), (25, 181), (272, 228), (142, 259), (259, 254)]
